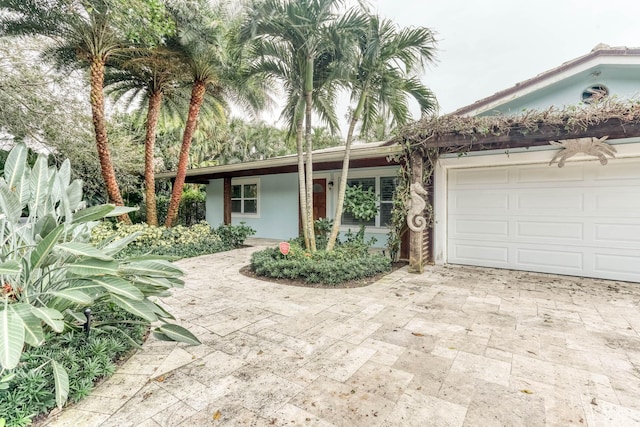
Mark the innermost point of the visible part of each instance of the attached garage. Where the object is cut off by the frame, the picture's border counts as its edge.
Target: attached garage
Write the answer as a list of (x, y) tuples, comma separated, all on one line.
[(581, 220)]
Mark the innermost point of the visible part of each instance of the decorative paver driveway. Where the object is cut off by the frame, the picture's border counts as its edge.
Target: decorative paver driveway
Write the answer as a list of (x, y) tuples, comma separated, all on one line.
[(453, 346)]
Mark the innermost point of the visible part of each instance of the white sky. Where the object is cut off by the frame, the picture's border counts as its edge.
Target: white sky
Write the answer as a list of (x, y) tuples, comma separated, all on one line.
[(489, 45)]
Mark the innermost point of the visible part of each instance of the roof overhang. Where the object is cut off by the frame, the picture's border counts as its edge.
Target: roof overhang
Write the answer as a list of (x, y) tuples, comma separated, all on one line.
[(362, 155)]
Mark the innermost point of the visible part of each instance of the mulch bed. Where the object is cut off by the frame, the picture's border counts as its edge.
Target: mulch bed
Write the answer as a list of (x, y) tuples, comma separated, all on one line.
[(366, 281)]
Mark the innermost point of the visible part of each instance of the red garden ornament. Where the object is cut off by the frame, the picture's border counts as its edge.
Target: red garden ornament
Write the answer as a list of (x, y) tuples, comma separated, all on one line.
[(284, 248)]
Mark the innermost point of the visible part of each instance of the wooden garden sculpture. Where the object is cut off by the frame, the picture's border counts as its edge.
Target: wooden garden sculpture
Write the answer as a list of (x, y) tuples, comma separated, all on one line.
[(415, 218), (590, 146)]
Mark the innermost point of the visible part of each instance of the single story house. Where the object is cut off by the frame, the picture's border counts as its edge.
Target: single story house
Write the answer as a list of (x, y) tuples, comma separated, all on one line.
[(497, 201)]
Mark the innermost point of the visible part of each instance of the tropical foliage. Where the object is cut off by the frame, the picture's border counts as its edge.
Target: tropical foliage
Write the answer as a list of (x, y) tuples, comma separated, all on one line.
[(50, 271)]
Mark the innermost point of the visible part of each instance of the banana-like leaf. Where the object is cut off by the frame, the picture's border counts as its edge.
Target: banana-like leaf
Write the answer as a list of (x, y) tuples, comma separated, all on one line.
[(10, 268), (45, 225), (84, 249), (92, 213), (11, 338), (9, 203), (162, 313), (39, 187), (118, 245), (117, 285), (120, 210), (151, 268), (78, 316), (74, 194), (160, 336), (15, 165), (92, 267), (22, 188), (74, 295), (61, 382), (33, 333), (50, 316), (44, 247), (139, 308), (64, 173), (178, 333)]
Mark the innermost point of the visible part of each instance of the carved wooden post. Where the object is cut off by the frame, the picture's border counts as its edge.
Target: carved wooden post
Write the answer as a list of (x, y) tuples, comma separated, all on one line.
[(415, 217)]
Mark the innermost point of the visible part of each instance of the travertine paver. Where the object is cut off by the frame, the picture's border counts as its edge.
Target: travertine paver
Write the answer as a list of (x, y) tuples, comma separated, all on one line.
[(454, 346)]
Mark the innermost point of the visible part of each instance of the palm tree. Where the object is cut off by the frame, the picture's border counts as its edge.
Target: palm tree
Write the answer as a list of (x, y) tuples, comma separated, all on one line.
[(382, 79), (205, 43), (152, 74), (85, 37), (300, 43)]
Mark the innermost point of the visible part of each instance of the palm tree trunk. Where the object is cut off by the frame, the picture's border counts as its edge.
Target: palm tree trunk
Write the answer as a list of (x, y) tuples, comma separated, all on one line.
[(342, 188), (301, 181), (308, 92), (197, 96), (96, 76), (155, 100)]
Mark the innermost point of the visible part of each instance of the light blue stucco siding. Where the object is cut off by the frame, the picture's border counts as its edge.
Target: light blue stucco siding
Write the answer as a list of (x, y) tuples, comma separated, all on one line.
[(277, 216)]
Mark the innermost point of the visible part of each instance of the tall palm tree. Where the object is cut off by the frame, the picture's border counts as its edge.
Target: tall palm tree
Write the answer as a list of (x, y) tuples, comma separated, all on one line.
[(152, 74), (205, 43), (300, 43), (383, 77), (85, 37)]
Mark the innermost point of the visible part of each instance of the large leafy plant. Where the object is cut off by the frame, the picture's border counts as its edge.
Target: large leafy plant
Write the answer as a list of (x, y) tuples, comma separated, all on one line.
[(50, 272)]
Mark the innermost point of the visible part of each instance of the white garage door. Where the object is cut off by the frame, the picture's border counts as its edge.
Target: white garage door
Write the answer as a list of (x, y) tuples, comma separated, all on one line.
[(580, 220)]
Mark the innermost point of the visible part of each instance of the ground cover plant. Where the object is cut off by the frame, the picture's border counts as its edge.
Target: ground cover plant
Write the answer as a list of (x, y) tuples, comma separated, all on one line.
[(50, 272), (178, 241)]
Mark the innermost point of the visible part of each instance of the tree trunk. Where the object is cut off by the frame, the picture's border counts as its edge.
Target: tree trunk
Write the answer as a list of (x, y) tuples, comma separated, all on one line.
[(308, 93), (96, 76), (155, 100), (342, 187), (197, 95), (302, 182)]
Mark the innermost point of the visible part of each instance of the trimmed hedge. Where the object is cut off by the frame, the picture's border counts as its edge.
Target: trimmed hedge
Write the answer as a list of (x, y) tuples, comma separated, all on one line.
[(341, 265)]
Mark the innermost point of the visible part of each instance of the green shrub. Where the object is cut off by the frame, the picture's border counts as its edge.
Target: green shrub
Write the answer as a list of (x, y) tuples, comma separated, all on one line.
[(87, 359), (343, 264), (233, 236), (178, 241)]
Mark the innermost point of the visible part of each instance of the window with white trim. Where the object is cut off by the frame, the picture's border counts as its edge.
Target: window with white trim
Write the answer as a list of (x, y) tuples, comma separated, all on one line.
[(245, 197), (384, 187)]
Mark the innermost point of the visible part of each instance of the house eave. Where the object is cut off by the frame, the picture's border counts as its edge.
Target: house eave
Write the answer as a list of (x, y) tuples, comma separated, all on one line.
[(372, 154)]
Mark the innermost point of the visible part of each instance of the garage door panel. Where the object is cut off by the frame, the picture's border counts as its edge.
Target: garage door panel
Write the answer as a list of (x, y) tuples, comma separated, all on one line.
[(474, 227), (499, 255), (480, 200), (528, 175), (616, 263), (559, 260), (476, 177), (546, 202), (622, 235), (626, 201), (573, 231), (583, 219)]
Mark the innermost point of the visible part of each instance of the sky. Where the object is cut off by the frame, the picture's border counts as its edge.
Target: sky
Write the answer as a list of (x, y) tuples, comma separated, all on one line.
[(485, 46)]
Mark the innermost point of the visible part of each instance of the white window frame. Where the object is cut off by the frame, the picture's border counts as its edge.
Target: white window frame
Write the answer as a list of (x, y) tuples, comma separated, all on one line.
[(243, 182), (376, 174)]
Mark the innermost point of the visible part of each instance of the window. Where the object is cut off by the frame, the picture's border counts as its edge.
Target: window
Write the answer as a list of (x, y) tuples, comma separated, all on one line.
[(594, 93), (244, 198), (384, 187)]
